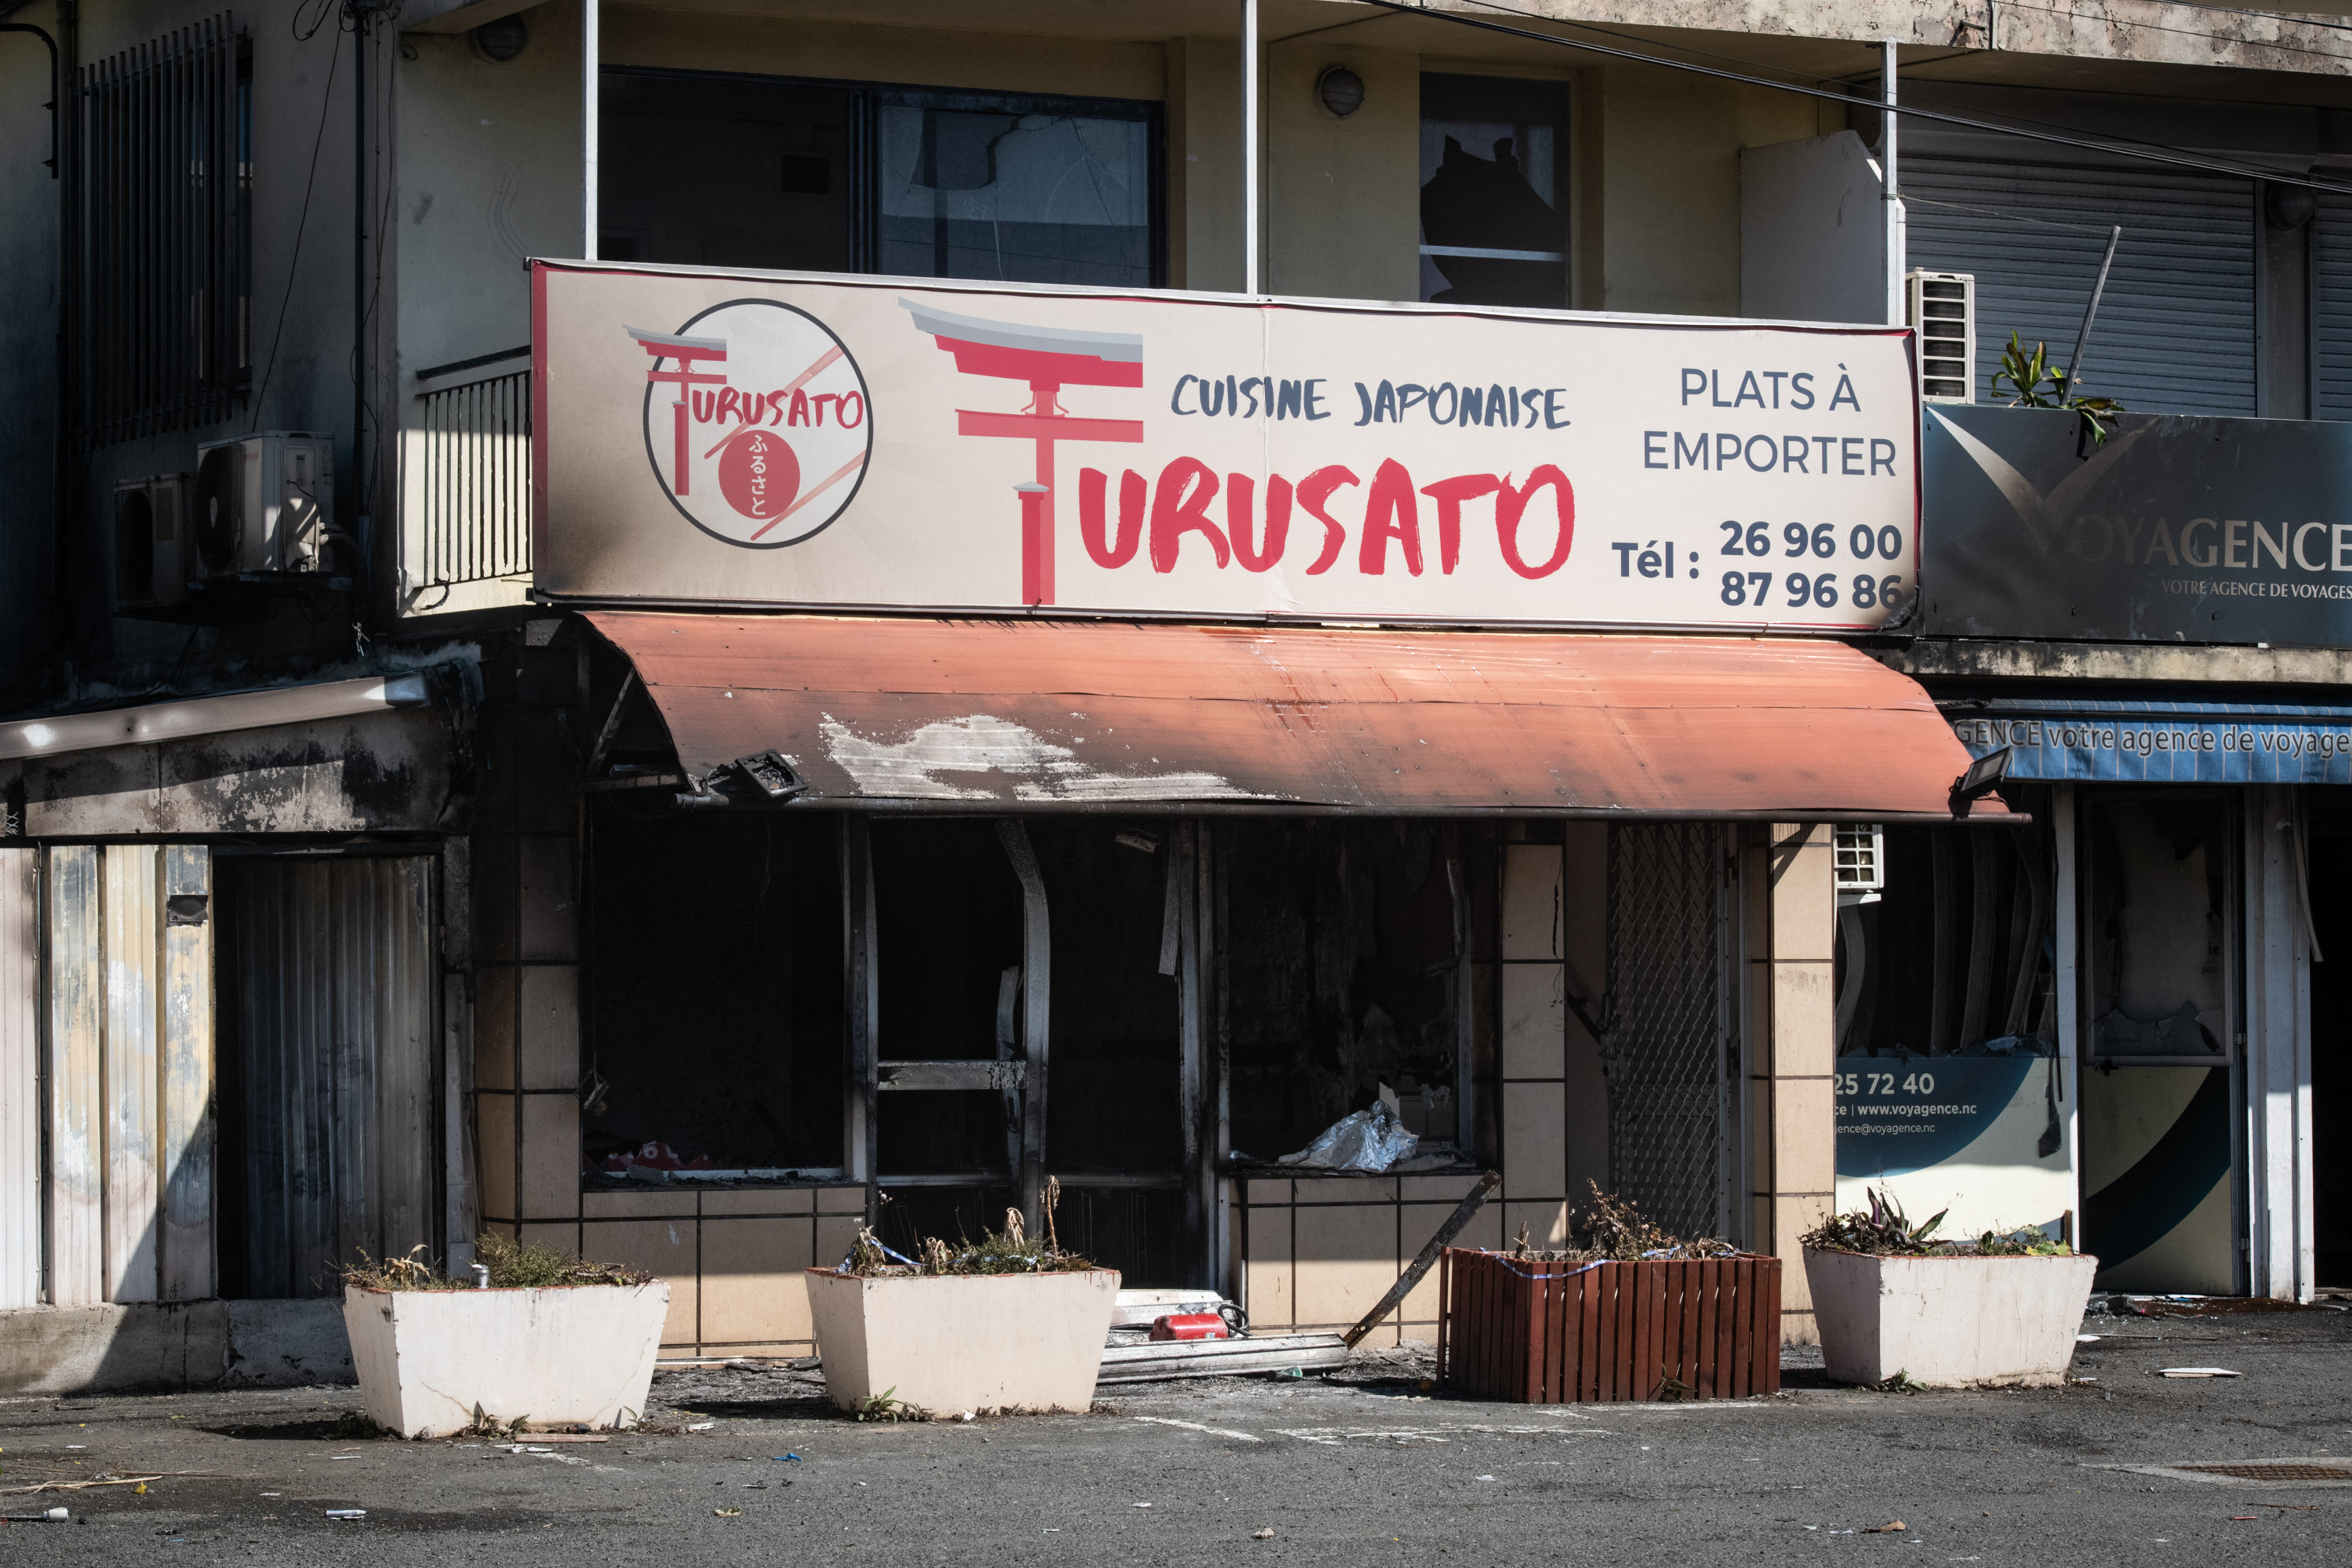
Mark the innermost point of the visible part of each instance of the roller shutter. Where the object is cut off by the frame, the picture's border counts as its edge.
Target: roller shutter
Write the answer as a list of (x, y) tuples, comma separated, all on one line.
[(2331, 310), (2176, 332)]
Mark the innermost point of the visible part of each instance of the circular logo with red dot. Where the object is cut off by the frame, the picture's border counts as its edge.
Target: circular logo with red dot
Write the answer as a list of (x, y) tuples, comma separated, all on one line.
[(758, 423)]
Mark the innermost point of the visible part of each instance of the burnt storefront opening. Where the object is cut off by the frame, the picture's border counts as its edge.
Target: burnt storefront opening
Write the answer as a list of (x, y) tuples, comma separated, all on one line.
[(713, 991), (1344, 958)]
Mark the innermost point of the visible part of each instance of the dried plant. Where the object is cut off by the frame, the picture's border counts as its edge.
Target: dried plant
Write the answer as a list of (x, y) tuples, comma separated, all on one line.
[(513, 1266), (1882, 1231)]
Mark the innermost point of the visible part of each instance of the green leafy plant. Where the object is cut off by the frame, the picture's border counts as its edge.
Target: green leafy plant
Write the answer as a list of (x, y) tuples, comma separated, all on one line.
[(2026, 375), (887, 1406)]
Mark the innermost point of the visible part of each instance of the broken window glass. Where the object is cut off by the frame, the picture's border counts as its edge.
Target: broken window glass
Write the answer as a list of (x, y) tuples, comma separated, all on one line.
[(1494, 229), (974, 191)]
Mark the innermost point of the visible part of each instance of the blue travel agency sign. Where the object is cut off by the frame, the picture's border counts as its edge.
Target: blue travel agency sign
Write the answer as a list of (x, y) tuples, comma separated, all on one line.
[(2159, 743)]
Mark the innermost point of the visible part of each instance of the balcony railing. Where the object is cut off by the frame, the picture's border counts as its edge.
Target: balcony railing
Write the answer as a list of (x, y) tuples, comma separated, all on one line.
[(475, 501)]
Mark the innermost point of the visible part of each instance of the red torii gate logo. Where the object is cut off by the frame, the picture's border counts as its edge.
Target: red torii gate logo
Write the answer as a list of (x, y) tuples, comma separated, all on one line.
[(770, 425), (1048, 359)]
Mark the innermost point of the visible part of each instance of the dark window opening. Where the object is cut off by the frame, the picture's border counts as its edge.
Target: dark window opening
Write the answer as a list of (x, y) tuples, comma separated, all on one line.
[(1344, 968), (738, 171), (1956, 953), (1494, 191), (713, 991)]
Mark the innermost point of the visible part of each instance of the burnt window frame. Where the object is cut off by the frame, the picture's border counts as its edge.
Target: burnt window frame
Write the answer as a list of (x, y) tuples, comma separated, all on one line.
[(869, 98), (167, 256)]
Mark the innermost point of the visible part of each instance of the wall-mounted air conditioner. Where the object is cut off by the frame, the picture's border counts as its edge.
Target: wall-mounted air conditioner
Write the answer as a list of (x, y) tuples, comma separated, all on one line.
[(1941, 307), (151, 530), (263, 504)]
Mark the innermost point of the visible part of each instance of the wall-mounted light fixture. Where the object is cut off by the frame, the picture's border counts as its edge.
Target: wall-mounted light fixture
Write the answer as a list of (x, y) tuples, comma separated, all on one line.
[(502, 39), (1339, 91)]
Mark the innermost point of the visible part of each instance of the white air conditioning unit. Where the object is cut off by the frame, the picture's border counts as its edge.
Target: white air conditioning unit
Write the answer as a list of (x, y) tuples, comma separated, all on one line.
[(151, 533), (1941, 307), (1858, 854), (263, 504)]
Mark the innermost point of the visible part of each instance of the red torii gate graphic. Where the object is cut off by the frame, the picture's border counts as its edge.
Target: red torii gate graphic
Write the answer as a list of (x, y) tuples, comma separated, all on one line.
[(685, 350), (1048, 359)]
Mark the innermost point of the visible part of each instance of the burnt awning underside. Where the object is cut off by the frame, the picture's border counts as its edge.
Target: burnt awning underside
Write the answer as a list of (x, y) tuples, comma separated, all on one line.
[(1060, 715)]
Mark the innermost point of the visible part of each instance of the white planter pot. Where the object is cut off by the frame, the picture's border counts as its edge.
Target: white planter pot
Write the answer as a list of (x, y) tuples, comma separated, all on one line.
[(581, 1356), (977, 1343), (1949, 1322)]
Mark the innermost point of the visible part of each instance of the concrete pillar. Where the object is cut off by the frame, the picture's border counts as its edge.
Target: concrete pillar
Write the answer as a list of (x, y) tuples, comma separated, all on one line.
[(1790, 1002), (526, 940)]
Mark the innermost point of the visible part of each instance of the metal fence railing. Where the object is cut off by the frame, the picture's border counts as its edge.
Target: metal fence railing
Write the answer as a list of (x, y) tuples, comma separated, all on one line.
[(476, 499), (1665, 1055)]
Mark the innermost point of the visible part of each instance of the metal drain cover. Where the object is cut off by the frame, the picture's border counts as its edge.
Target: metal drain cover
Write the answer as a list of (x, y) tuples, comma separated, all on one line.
[(2275, 1470)]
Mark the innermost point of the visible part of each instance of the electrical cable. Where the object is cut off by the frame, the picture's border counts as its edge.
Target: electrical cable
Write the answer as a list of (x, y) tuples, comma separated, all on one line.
[(293, 262), (2111, 148)]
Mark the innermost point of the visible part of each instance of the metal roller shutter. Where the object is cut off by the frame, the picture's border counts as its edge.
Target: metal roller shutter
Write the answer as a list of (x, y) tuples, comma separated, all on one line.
[(2176, 332), (2331, 310)]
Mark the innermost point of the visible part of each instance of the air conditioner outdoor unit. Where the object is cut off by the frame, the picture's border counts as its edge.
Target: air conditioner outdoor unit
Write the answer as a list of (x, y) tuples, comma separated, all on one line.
[(1858, 855), (151, 533), (1941, 307), (263, 504)]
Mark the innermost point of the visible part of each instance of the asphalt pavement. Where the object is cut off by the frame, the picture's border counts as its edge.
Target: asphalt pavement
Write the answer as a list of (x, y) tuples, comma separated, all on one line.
[(1360, 1469)]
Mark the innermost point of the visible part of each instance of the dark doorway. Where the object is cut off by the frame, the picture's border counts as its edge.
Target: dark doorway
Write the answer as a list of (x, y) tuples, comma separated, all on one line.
[(2330, 868)]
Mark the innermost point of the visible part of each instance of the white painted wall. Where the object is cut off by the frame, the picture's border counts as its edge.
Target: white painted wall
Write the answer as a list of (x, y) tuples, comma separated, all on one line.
[(1813, 238)]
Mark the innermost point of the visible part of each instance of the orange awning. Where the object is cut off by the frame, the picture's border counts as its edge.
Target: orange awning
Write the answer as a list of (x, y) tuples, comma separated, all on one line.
[(1045, 715)]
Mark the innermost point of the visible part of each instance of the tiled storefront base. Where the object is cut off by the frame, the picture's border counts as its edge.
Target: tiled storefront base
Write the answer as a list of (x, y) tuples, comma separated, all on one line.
[(733, 1259), (1317, 1254)]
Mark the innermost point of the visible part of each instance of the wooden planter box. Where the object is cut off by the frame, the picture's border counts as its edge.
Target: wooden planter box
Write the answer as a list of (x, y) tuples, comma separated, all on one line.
[(1554, 1334)]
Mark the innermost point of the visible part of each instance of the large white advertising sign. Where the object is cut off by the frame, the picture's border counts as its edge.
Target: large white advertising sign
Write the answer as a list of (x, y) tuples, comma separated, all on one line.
[(787, 440)]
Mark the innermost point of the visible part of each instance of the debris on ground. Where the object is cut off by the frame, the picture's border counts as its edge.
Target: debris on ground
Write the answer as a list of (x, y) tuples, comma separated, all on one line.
[(2196, 1372), (1892, 1526)]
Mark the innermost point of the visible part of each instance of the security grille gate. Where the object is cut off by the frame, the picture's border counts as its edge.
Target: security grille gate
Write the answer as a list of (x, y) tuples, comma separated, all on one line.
[(2176, 331), (1664, 1056)]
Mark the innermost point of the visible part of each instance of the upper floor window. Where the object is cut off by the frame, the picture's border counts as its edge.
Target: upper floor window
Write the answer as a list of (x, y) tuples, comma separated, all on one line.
[(167, 161), (728, 171), (1494, 191)]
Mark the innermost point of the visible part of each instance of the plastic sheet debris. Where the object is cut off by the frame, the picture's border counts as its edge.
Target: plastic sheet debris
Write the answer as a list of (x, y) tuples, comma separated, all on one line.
[(701, 1425), (2087, 1339), (2196, 1372), (786, 1458), (1372, 1139), (347, 1513), (727, 1512), (1266, 1534)]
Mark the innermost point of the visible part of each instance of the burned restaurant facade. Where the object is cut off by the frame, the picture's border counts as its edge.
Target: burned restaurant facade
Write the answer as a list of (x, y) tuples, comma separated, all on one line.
[(1119, 739)]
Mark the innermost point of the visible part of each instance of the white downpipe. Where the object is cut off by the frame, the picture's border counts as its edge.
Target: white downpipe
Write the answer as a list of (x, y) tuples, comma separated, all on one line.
[(1897, 240), (591, 98), (1249, 146)]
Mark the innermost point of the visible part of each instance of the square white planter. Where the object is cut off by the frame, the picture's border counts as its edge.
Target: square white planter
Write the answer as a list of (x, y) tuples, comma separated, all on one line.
[(581, 1356), (1949, 1322), (958, 1342)]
